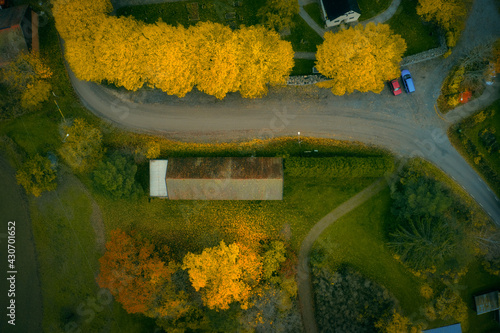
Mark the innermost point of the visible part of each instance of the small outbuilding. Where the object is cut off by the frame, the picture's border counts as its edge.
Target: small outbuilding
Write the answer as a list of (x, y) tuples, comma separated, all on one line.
[(455, 328), (487, 302), (217, 178), (338, 11), (18, 32)]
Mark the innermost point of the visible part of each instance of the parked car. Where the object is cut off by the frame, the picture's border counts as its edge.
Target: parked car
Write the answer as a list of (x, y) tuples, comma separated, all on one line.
[(395, 87), (407, 81)]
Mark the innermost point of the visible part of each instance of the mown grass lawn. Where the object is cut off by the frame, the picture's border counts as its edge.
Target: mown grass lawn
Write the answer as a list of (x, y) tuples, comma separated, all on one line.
[(358, 240), (469, 130), (215, 11), (303, 67), (314, 10), (371, 8), (419, 35)]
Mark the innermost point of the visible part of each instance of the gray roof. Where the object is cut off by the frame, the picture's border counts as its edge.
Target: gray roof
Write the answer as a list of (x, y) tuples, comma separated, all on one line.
[(487, 302), (225, 178), (12, 16), (455, 328)]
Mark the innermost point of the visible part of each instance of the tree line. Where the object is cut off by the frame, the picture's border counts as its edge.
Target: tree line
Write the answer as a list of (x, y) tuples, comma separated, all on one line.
[(132, 54)]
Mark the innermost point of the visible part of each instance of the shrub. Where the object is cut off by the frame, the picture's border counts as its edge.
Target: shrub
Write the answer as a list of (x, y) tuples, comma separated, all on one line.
[(116, 177), (347, 302), (330, 167), (37, 175)]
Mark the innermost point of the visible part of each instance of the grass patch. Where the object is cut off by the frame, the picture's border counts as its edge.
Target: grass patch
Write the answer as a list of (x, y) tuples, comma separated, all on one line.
[(473, 137), (176, 13), (314, 10), (358, 240), (371, 8), (303, 67), (303, 37), (419, 35)]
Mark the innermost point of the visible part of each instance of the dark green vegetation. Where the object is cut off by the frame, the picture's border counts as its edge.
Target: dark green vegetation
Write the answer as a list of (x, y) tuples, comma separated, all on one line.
[(303, 37), (419, 35), (477, 138), (175, 13), (361, 241), (116, 177), (303, 67), (347, 302), (339, 167), (371, 8), (314, 10)]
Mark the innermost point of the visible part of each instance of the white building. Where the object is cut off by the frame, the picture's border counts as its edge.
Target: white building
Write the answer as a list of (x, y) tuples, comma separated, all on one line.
[(338, 11)]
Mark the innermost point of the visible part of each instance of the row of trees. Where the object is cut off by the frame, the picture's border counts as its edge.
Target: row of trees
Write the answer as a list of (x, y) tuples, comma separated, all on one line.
[(232, 280), (210, 56)]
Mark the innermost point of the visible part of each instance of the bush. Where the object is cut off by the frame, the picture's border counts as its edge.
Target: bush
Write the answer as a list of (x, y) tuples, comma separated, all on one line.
[(347, 302), (37, 175), (116, 177), (346, 167)]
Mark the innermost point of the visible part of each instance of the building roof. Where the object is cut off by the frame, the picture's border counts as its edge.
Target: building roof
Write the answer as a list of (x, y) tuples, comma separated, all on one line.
[(157, 172), (487, 302), (12, 16), (336, 8), (225, 178), (455, 328)]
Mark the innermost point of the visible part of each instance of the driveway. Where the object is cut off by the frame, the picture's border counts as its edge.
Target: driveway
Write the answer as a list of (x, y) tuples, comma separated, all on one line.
[(408, 125)]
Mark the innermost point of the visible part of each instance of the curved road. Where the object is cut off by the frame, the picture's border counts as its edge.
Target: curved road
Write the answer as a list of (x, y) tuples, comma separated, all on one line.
[(408, 125)]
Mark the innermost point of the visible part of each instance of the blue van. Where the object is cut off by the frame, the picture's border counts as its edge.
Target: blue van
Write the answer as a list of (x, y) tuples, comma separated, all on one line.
[(407, 81)]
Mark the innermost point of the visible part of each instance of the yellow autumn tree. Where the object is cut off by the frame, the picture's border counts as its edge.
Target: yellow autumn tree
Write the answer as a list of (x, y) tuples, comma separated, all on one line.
[(76, 21), (216, 66), (449, 14), (120, 47), (223, 274), (396, 323), (170, 58), (263, 58), (28, 77), (130, 53), (360, 58)]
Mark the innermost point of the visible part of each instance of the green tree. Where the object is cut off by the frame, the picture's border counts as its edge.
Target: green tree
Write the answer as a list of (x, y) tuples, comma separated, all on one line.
[(27, 77), (36, 175), (116, 176), (278, 14), (426, 242), (272, 260), (360, 58), (449, 14), (83, 148)]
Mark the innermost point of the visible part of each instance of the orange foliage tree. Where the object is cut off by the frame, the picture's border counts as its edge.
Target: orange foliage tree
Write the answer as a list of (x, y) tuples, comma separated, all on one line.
[(138, 278), (224, 274)]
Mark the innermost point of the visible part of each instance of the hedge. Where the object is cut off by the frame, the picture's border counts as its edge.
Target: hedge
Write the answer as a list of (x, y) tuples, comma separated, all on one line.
[(330, 167)]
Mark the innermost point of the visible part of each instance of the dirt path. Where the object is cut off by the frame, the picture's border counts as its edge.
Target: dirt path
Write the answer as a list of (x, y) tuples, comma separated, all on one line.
[(304, 283)]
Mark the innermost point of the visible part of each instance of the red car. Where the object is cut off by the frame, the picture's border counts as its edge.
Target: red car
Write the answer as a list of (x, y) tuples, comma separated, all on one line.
[(395, 87)]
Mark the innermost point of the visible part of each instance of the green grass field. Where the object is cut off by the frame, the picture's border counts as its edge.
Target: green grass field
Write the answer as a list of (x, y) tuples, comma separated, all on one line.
[(358, 240), (419, 35), (465, 136), (314, 10), (371, 8)]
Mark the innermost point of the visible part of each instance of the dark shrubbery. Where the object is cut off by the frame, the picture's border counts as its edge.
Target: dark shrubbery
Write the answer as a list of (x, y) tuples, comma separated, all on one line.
[(347, 167), (116, 176), (347, 302)]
